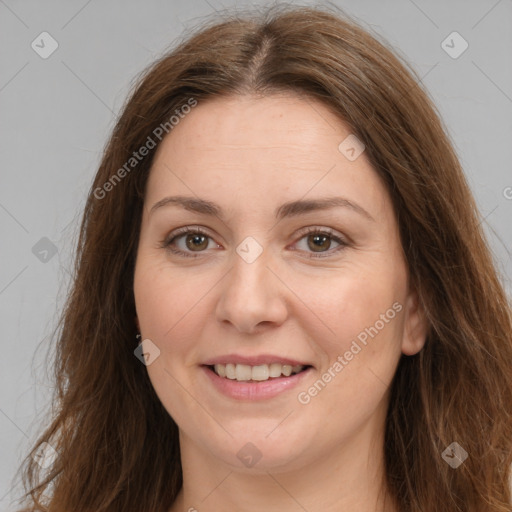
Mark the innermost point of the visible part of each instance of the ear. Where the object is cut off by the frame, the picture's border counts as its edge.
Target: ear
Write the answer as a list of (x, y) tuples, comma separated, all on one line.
[(415, 325), (137, 323)]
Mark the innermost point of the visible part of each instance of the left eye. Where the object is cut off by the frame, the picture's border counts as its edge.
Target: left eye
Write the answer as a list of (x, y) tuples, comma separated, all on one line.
[(318, 242), (321, 242)]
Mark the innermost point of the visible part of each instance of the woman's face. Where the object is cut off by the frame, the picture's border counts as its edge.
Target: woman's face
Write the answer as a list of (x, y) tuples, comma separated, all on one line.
[(277, 280)]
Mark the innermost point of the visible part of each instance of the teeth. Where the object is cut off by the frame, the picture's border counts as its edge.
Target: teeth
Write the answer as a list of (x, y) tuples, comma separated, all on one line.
[(220, 369), (244, 372), (230, 371), (260, 372), (287, 370), (275, 369)]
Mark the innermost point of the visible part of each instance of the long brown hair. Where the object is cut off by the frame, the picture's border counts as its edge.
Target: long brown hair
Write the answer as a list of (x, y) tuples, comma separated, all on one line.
[(117, 447)]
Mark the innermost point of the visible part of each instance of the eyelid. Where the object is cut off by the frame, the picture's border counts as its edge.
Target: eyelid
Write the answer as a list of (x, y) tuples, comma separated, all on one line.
[(339, 238), (321, 229), (179, 232)]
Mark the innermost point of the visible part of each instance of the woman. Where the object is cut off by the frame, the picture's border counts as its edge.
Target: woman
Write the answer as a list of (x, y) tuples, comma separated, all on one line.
[(283, 299)]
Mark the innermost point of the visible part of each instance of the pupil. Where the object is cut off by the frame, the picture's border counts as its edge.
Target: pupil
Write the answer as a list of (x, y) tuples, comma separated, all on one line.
[(319, 241), (191, 242)]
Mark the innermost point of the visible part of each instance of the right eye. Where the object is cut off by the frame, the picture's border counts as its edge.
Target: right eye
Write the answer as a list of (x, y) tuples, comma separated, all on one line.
[(195, 241)]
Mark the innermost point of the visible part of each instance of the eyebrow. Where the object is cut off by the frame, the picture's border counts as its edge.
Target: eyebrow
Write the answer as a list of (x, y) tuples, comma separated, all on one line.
[(289, 209)]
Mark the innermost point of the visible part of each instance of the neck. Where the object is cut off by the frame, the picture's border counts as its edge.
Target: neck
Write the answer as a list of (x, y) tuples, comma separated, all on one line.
[(350, 477)]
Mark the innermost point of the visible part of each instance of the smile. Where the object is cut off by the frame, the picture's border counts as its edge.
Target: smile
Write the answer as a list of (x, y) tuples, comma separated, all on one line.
[(261, 372), (259, 382)]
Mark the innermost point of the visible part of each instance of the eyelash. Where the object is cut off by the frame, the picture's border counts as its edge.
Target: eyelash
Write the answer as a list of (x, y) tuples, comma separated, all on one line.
[(193, 230)]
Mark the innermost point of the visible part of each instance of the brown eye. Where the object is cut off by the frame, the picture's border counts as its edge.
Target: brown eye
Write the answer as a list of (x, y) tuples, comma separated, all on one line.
[(188, 242), (319, 243), (196, 242)]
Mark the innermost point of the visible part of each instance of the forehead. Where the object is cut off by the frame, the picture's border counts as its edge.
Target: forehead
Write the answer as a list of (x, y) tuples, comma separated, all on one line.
[(279, 121), (269, 148)]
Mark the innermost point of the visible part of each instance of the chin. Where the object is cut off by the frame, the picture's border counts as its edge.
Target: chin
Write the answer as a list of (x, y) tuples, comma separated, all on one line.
[(259, 451)]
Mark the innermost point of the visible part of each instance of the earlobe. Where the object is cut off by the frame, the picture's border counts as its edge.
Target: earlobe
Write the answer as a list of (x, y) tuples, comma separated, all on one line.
[(415, 325)]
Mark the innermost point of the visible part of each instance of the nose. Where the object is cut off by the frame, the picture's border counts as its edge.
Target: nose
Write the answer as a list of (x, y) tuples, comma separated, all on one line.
[(252, 297)]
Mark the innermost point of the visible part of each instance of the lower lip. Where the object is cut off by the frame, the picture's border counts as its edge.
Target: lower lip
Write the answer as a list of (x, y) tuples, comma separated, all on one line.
[(262, 390)]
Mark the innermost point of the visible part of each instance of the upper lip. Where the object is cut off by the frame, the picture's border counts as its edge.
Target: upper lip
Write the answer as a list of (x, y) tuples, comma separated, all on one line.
[(253, 360)]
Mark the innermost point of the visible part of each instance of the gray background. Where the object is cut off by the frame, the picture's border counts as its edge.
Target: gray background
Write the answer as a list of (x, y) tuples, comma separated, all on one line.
[(56, 114)]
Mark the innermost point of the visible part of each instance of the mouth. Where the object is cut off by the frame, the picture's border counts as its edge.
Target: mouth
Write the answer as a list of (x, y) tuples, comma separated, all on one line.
[(247, 383), (257, 373), (254, 377)]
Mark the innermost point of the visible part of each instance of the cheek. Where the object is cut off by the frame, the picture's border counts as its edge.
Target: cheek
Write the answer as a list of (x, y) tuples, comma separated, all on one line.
[(169, 309), (164, 298), (352, 306), (357, 327), (360, 358), (172, 308)]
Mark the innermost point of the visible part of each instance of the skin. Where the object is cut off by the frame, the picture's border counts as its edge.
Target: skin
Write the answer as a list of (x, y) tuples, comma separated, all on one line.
[(250, 155)]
